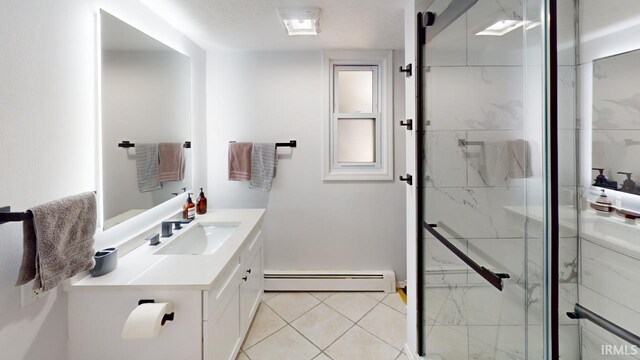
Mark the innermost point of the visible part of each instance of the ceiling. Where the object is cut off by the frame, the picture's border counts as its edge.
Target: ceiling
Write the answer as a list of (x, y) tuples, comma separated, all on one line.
[(255, 25)]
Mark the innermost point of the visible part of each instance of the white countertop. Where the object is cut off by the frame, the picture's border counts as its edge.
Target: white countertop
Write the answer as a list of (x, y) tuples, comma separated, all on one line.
[(141, 268), (611, 232)]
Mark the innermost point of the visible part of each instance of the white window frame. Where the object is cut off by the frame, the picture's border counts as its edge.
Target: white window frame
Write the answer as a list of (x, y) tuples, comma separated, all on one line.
[(381, 61)]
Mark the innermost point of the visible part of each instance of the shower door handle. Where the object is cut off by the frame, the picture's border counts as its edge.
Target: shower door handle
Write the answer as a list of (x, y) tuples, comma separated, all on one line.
[(494, 279)]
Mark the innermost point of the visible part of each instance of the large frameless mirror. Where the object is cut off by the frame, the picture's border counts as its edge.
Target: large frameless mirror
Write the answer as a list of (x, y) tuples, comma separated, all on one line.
[(146, 121)]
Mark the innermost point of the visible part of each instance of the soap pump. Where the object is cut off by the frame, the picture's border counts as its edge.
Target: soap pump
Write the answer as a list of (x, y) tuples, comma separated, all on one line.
[(603, 205), (602, 181), (628, 185), (201, 208), (189, 208)]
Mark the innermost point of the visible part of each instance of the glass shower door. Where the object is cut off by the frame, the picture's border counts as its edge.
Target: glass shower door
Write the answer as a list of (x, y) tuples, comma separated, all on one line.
[(480, 82)]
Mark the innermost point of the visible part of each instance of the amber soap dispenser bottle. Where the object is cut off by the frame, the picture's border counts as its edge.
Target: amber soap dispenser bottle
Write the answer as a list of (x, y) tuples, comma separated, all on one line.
[(201, 208), (189, 209)]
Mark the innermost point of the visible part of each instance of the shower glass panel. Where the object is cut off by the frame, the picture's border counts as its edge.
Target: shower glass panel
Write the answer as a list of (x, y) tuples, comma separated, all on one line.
[(485, 293)]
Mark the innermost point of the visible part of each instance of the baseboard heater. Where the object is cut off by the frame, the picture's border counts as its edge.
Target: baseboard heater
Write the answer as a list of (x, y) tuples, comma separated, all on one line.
[(330, 281)]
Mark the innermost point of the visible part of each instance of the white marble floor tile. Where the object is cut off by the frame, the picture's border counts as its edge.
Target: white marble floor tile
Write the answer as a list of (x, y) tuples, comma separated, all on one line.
[(387, 324), (376, 295), (265, 323), (286, 344), (268, 295), (322, 357), (352, 305), (292, 305), (321, 295), (359, 344), (395, 302), (322, 325)]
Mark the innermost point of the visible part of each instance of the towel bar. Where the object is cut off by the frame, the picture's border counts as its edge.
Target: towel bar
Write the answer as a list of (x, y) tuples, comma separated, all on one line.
[(463, 142), (291, 143), (129, 144), (7, 216)]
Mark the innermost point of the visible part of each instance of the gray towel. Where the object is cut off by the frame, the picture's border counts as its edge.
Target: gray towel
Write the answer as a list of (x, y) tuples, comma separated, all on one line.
[(147, 167), (264, 160), (58, 241), (519, 155)]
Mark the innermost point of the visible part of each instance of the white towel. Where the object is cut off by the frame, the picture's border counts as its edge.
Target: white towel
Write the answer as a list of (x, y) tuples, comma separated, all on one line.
[(264, 160), (147, 167)]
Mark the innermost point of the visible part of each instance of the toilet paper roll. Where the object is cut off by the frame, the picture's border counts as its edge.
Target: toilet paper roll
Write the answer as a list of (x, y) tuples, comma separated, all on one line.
[(145, 321)]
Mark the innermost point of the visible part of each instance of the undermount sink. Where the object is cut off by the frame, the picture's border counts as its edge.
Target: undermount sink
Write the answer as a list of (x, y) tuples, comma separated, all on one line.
[(202, 239)]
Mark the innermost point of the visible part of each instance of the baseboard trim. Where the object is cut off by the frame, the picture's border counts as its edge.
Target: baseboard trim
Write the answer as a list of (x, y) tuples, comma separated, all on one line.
[(330, 281)]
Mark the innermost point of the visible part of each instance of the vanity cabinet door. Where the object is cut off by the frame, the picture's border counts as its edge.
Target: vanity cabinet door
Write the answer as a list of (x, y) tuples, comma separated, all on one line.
[(222, 332), (251, 288)]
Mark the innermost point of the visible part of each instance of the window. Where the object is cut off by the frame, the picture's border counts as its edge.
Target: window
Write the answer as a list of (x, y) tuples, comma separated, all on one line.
[(358, 132)]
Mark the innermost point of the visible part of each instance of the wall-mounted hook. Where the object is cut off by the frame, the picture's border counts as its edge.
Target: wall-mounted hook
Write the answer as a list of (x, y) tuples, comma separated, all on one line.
[(408, 123), (408, 70), (408, 178)]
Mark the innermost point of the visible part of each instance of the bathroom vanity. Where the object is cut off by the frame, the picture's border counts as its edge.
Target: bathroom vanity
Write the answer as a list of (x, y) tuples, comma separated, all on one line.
[(211, 273)]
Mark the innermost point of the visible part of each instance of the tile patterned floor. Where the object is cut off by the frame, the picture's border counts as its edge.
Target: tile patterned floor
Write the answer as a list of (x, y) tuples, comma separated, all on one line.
[(327, 326)]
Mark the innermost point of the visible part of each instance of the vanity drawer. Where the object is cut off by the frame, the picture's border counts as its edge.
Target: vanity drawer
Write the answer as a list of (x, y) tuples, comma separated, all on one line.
[(229, 279)]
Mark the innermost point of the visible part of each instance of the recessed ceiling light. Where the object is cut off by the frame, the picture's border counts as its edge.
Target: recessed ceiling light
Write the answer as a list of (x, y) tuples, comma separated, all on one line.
[(300, 21), (503, 27)]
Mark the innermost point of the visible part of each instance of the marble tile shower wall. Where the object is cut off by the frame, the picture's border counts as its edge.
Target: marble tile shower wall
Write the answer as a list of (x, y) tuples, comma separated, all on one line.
[(477, 95)]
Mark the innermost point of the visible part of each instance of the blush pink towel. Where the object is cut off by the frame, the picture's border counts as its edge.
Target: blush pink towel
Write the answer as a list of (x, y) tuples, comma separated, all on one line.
[(172, 162), (240, 161)]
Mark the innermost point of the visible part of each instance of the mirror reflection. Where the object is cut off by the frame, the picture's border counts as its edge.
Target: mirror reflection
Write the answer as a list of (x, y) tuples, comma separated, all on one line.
[(146, 121), (616, 126)]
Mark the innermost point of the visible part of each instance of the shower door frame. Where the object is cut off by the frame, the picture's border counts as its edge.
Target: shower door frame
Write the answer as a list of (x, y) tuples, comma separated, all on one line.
[(424, 20)]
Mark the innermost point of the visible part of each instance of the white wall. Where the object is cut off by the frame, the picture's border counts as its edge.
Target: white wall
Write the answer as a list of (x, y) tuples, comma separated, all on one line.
[(310, 225), (48, 137)]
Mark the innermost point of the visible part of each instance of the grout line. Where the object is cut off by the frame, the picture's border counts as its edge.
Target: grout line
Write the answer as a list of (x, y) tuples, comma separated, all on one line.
[(374, 335), (268, 336)]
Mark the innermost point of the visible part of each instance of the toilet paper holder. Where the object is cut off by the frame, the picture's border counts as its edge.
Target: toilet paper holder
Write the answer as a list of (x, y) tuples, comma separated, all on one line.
[(167, 317)]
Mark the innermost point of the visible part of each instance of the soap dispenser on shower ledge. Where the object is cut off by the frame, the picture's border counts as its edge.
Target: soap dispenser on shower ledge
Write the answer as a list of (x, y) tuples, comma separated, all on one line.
[(602, 181), (603, 205), (628, 185)]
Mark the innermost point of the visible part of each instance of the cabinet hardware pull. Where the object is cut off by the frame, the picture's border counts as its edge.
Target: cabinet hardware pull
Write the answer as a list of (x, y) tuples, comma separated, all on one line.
[(249, 271), (244, 278)]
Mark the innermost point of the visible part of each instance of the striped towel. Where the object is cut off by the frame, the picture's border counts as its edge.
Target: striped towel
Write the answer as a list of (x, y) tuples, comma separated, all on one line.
[(147, 167), (264, 160)]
